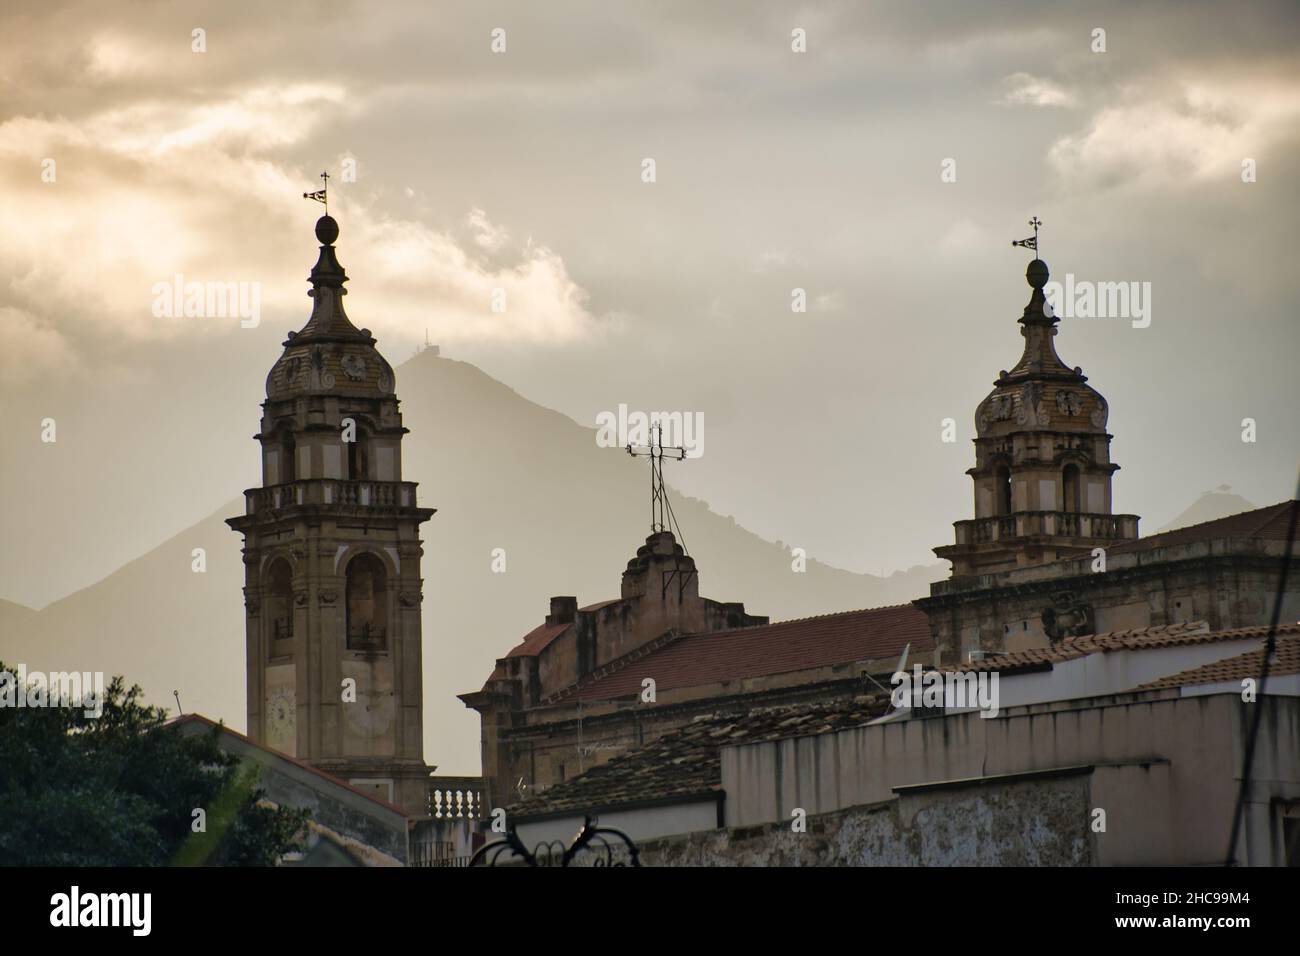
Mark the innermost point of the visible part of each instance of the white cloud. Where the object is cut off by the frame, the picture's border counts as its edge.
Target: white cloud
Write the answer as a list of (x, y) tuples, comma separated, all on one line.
[(1198, 132), (31, 348), (1023, 89), (151, 189)]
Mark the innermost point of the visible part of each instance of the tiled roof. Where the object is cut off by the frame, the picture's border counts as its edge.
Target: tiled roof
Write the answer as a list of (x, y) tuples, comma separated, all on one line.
[(1269, 523), (315, 771), (1135, 639), (1286, 660), (540, 637), (686, 762), (762, 650), (536, 640)]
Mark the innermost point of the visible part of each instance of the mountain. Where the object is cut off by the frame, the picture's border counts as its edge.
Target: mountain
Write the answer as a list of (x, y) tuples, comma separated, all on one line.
[(503, 472), (1210, 506)]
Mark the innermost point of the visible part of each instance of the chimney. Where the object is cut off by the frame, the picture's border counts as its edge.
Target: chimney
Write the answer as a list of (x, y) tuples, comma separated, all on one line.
[(563, 610)]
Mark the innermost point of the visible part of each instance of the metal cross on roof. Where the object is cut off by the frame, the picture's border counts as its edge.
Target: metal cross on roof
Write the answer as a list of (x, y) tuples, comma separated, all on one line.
[(321, 195), (661, 511)]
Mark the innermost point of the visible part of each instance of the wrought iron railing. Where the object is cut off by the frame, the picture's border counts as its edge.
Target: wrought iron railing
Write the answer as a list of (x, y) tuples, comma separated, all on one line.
[(592, 846)]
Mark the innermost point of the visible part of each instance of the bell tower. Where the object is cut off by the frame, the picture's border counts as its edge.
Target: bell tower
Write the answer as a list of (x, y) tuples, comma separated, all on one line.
[(1042, 459), (332, 558)]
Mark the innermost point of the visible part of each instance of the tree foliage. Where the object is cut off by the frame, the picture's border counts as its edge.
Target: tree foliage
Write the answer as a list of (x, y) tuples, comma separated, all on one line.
[(121, 788)]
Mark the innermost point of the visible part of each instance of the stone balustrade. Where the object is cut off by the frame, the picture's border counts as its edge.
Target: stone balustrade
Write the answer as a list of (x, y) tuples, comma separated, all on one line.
[(362, 493)]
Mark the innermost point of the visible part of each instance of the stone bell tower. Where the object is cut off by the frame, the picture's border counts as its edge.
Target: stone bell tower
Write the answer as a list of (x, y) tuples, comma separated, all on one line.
[(332, 558), (1042, 460)]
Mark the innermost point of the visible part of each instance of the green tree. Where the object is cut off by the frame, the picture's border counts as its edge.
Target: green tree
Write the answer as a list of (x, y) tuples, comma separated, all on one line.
[(120, 789)]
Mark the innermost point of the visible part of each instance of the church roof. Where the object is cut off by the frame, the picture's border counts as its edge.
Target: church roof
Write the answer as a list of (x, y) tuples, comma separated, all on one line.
[(538, 639), (686, 763), (1133, 639), (1270, 523), (762, 650)]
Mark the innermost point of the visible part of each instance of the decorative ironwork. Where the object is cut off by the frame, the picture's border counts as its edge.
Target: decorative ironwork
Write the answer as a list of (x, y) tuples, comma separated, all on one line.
[(321, 195), (604, 846), (661, 511), (1031, 243)]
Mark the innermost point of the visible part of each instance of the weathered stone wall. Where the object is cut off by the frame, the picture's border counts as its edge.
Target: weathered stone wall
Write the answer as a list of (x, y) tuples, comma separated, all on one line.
[(1227, 584), (1039, 823)]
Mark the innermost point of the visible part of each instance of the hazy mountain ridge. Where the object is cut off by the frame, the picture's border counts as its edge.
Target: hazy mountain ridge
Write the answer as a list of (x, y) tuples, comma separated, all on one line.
[(1212, 505), (503, 472)]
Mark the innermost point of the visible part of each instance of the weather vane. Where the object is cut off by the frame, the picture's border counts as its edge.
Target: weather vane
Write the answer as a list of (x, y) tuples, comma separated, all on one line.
[(1032, 242), (321, 195)]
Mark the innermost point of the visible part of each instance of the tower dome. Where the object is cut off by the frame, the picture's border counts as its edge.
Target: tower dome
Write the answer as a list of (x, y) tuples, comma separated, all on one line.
[(329, 354), (1042, 470)]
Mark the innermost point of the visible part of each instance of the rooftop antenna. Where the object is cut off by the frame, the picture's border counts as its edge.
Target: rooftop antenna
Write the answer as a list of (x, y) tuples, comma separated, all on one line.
[(1032, 242), (177, 695), (661, 511), (321, 195)]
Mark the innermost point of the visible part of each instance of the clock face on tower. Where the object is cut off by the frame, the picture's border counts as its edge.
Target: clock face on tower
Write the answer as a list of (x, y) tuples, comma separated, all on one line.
[(281, 720)]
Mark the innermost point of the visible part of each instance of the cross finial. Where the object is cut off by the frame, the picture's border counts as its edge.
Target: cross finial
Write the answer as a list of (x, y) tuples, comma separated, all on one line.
[(661, 512)]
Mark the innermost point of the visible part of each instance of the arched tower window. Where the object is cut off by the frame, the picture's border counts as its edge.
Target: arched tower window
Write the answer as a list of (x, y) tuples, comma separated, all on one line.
[(1002, 489), (367, 603), (279, 603), (288, 457), (1070, 486), (358, 457)]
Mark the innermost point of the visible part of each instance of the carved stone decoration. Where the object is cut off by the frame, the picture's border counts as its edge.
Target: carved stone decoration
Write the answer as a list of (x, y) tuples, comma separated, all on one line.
[(410, 598), (1067, 403), (385, 382), (1101, 413), (1066, 618), (328, 598), (300, 598), (996, 408), (291, 370), (1031, 412), (252, 606), (354, 367), (321, 377)]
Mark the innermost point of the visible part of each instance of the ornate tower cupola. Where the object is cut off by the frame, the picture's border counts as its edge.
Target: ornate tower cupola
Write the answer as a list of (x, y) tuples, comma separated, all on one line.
[(332, 558), (1042, 460)]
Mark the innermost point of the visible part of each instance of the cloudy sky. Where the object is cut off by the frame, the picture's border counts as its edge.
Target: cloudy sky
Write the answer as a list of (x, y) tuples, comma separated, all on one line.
[(127, 157)]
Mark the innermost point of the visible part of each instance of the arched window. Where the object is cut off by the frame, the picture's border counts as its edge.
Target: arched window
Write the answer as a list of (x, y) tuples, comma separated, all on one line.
[(1002, 480), (358, 457), (288, 457), (279, 604), (1070, 486), (367, 603)]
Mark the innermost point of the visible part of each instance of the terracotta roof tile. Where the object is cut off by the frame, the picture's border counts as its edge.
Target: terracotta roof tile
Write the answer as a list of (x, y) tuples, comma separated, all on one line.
[(1134, 639), (1270, 523), (1286, 660), (761, 650), (686, 762), (536, 640)]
